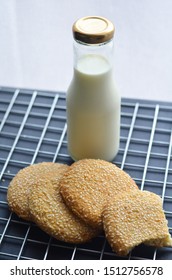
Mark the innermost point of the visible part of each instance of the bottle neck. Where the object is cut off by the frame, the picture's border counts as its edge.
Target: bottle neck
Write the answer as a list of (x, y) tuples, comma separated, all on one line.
[(104, 51)]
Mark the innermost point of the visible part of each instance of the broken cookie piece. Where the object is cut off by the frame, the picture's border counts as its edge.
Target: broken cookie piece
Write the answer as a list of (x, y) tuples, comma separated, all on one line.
[(133, 218)]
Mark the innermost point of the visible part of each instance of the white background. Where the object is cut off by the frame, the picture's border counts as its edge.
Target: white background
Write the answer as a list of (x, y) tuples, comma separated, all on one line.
[(36, 44)]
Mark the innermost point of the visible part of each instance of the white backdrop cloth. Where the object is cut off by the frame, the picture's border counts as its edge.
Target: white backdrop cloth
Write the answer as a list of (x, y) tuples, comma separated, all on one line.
[(36, 44)]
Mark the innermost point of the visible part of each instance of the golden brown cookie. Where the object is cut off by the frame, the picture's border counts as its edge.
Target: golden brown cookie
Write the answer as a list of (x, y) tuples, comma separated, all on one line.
[(89, 183), (134, 218), (51, 214), (21, 184)]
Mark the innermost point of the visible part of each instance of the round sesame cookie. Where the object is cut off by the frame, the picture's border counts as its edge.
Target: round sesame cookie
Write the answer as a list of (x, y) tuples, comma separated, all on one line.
[(130, 219), (51, 214), (88, 184), (25, 180)]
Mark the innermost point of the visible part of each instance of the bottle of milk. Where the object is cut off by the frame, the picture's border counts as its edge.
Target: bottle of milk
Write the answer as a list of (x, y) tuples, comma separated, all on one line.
[(93, 102)]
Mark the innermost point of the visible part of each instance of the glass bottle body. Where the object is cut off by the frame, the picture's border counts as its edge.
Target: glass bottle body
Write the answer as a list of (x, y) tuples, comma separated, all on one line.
[(93, 104)]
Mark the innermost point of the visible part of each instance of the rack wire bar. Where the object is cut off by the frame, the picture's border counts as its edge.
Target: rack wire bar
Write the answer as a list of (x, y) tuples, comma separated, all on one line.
[(129, 135), (9, 108), (150, 145), (167, 168), (33, 129)]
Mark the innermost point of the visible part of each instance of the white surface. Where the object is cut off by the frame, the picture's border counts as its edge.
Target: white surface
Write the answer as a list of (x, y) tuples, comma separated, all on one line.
[(36, 44)]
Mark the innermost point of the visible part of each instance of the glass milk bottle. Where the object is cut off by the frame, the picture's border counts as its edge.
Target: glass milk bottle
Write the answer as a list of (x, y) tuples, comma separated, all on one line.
[(93, 102)]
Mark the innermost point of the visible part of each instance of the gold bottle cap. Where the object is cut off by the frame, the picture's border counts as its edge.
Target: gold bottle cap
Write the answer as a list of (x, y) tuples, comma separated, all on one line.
[(93, 30)]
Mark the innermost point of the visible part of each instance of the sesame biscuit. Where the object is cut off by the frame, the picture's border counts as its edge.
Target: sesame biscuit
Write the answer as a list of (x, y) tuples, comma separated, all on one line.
[(134, 218), (51, 214), (88, 184), (21, 184)]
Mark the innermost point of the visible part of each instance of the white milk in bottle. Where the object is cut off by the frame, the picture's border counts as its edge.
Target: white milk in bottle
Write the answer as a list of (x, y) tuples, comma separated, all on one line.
[(93, 102)]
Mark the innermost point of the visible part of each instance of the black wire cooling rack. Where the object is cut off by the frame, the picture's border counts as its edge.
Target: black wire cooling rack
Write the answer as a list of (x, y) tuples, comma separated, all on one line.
[(33, 129)]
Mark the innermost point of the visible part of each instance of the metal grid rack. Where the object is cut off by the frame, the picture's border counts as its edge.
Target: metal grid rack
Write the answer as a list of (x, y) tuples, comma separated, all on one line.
[(33, 129)]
